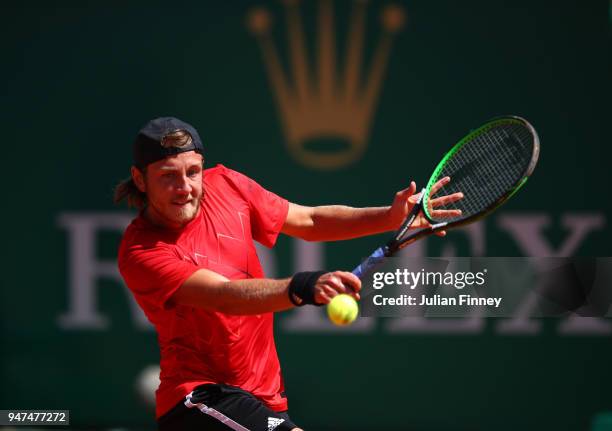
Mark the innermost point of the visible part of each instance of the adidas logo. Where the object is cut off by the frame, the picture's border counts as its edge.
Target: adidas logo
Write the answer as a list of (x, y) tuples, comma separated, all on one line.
[(274, 422)]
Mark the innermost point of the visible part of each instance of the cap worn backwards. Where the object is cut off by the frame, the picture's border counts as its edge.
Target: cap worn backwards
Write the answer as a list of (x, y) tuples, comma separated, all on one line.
[(151, 144)]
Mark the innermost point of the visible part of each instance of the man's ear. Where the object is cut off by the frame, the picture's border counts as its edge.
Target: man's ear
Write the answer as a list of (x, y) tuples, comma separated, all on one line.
[(138, 178)]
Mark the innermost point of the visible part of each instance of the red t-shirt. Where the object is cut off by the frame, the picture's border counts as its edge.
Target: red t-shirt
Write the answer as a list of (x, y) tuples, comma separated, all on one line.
[(199, 346)]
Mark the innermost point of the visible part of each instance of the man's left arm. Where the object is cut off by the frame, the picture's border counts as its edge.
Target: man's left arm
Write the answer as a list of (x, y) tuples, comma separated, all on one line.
[(335, 222), (339, 222)]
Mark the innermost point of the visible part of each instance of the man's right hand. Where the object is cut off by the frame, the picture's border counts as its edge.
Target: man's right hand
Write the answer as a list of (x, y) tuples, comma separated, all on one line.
[(334, 283)]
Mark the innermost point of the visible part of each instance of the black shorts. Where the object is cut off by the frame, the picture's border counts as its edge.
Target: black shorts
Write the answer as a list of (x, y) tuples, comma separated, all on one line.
[(219, 407)]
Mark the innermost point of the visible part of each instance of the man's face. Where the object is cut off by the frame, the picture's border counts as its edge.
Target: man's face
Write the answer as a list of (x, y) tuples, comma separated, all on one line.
[(173, 187)]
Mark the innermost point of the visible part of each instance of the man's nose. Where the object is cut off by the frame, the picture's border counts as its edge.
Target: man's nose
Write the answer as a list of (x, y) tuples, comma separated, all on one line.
[(184, 184)]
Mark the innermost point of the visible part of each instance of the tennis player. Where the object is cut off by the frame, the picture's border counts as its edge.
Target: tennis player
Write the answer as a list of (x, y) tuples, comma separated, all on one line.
[(189, 259)]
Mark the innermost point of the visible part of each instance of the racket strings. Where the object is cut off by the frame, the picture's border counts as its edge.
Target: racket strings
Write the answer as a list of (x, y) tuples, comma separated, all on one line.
[(487, 167)]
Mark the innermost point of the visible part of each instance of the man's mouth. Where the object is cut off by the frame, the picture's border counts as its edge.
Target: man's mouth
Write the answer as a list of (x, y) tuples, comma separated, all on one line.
[(182, 203)]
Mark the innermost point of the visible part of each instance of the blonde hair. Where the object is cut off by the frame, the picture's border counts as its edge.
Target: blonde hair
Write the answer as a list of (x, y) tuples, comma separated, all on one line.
[(177, 138), (127, 190)]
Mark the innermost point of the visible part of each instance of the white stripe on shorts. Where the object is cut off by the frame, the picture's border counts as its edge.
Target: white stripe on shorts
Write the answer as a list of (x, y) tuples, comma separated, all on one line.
[(214, 413)]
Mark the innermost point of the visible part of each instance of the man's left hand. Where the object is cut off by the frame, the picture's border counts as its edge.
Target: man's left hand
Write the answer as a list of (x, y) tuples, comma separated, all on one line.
[(405, 200)]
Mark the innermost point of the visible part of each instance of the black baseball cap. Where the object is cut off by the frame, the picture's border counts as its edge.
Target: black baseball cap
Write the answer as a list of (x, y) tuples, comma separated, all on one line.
[(149, 145)]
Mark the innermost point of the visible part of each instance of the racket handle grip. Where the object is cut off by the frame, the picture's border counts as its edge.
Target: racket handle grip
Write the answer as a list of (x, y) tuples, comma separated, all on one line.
[(374, 260)]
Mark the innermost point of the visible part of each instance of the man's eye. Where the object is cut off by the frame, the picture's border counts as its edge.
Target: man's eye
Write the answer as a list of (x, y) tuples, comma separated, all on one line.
[(193, 173)]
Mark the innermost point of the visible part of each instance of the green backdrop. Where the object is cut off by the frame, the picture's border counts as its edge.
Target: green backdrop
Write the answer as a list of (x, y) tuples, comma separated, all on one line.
[(80, 78)]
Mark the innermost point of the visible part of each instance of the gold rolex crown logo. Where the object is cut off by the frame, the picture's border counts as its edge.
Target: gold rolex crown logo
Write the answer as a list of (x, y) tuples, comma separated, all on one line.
[(328, 103)]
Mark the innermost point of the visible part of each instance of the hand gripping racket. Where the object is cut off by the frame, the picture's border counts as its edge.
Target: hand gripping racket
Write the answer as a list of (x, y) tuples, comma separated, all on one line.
[(488, 166)]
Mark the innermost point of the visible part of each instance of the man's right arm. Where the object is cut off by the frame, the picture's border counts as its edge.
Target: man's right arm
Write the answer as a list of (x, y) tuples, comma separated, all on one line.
[(214, 292)]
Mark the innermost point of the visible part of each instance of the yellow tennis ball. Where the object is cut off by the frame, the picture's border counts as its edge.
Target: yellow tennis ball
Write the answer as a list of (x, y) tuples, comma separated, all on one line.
[(342, 310)]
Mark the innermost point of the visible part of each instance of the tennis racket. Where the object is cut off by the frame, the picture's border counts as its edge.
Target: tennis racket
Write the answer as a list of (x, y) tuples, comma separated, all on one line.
[(488, 166)]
